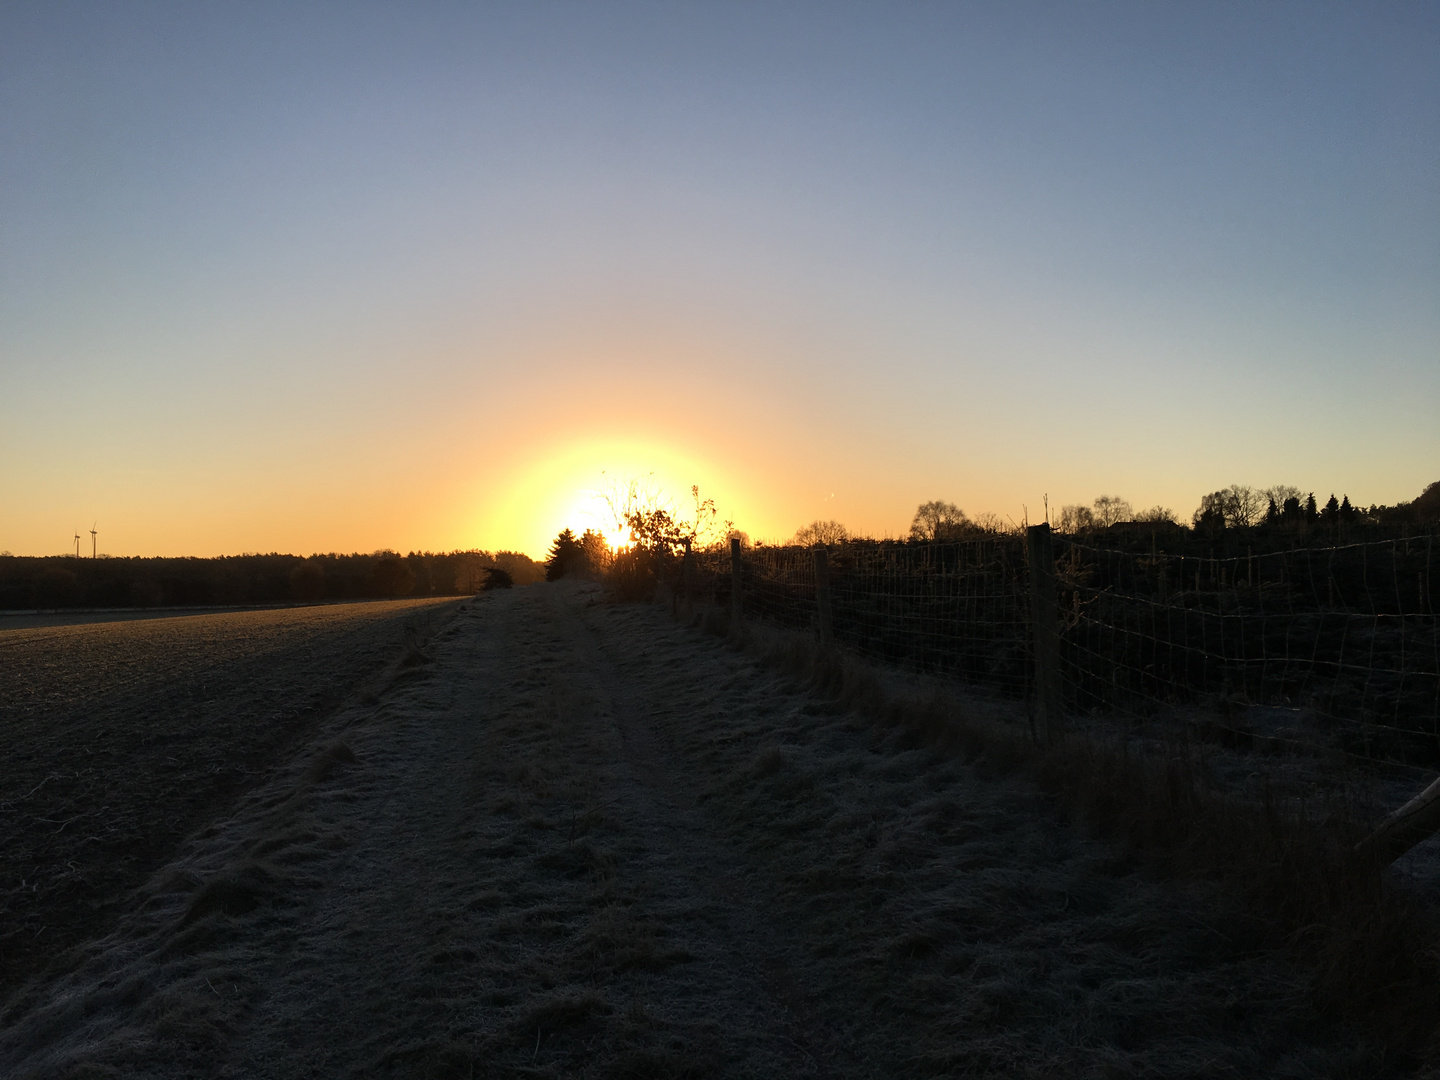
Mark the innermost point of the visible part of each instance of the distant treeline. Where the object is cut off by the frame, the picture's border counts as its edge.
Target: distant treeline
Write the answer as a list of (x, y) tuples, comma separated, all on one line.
[(1237, 520), (66, 581), (1240, 520)]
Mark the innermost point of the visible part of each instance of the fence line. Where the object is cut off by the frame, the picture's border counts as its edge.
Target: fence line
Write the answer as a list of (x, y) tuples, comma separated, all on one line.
[(1331, 649)]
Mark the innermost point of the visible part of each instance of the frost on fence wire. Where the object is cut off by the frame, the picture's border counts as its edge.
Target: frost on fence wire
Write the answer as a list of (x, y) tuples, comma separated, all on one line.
[(1337, 644), (957, 609)]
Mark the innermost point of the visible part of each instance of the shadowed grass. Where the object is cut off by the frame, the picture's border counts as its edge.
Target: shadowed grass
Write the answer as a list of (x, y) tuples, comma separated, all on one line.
[(1289, 879)]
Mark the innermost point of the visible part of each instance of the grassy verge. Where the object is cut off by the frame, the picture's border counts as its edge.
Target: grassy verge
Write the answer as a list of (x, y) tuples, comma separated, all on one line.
[(1287, 878)]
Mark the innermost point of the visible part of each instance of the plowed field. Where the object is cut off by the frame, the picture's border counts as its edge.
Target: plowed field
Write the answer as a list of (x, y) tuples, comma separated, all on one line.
[(117, 739)]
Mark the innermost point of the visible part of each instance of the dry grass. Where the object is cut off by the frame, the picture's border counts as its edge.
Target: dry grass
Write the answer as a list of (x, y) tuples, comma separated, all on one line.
[(1280, 875)]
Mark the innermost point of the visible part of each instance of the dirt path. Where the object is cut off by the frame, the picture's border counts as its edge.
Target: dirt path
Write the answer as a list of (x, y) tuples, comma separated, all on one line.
[(576, 839)]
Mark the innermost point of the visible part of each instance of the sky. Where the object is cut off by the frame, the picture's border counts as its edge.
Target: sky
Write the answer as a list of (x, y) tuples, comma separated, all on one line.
[(313, 277)]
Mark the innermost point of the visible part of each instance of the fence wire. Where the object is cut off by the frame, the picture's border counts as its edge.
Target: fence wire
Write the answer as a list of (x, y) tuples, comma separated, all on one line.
[(957, 609), (1336, 647), (1333, 648)]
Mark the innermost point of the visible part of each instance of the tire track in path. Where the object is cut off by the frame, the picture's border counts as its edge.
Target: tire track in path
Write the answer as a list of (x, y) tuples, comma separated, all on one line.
[(743, 931)]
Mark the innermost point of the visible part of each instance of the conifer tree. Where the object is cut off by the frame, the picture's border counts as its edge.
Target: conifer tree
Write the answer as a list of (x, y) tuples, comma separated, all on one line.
[(565, 555)]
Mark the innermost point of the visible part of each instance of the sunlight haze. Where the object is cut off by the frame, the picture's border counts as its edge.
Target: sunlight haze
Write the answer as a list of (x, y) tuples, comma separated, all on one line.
[(315, 277)]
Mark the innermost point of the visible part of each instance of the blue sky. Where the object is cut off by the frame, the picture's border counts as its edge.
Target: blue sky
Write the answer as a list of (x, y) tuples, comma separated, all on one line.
[(317, 277)]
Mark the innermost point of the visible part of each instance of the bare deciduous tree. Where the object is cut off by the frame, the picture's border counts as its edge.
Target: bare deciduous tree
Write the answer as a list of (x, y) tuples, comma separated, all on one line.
[(1238, 505), (1280, 493), (1111, 508), (939, 520), (993, 524), (1074, 519), (1158, 515), (821, 532)]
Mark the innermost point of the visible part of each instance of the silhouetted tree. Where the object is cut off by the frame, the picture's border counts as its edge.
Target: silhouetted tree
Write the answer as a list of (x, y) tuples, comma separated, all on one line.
[(820, 532), (939, 520), (495, 578), (992, 524), (1158, 515), (565, 556), (1331, 513), (1347, 512), (1311, 513), (595, 552), (1074, 519), (1110, 509), (1209, 519), (1281, 494), (1426, 507), (1239, 505)]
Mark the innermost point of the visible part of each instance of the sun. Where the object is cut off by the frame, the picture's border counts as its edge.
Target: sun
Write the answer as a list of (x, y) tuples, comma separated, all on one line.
[(572, 486)]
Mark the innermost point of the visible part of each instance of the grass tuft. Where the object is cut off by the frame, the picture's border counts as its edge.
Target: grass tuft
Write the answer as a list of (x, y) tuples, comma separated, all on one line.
[(237, 892)]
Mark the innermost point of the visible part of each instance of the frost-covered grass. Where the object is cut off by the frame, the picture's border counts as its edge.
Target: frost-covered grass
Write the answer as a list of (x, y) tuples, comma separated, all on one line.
[(571, 838)]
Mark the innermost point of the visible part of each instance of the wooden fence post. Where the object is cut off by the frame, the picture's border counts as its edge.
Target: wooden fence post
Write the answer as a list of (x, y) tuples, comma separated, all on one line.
[(1045, 630), (736, 606), (1417, 820), (822, 595)]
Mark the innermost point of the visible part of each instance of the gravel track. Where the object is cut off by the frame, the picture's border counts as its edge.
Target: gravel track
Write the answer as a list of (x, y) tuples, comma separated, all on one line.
[(572, 838)]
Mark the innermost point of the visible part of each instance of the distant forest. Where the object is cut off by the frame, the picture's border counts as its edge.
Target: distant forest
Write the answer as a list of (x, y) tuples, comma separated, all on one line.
[(1239, 520), (1235, 520), (70, 582)]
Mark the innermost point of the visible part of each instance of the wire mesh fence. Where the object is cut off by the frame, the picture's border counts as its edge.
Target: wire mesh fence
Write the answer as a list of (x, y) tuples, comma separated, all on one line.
[(1334, 648), (950, 608)]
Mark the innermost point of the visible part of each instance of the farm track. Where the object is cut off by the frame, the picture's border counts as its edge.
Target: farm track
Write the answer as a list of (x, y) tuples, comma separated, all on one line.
[(117, 739), (576, 839)]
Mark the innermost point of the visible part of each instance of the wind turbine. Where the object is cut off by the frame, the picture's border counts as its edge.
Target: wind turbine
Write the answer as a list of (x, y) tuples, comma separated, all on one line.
[(92, 539), (77, 545)]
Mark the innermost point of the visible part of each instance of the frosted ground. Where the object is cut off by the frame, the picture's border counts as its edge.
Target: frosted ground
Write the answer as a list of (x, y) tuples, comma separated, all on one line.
[(562, 837)]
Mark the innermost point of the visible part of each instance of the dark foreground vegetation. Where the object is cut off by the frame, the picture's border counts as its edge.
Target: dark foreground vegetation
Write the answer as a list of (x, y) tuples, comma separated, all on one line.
[(66, 582)]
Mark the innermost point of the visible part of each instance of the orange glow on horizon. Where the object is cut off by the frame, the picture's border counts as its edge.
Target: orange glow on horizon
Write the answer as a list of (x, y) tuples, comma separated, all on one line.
[(576, 486)]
